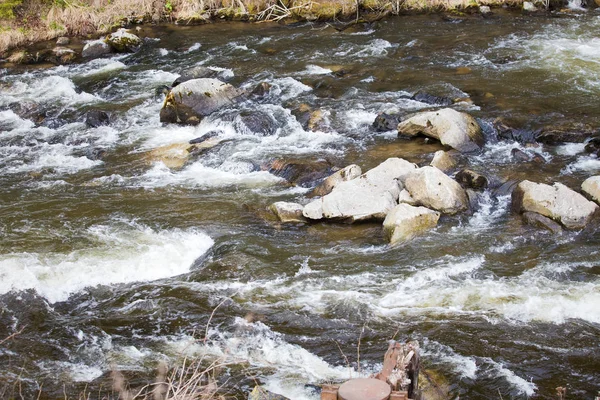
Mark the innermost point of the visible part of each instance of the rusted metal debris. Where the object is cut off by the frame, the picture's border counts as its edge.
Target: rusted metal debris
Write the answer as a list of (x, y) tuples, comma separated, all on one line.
[(397, 380)]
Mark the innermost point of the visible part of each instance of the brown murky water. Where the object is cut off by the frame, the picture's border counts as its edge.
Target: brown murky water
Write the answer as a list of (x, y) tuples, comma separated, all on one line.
[(119, 262)]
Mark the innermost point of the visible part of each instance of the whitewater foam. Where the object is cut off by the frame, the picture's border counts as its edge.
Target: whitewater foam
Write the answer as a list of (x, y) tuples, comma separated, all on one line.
[(123, 254)]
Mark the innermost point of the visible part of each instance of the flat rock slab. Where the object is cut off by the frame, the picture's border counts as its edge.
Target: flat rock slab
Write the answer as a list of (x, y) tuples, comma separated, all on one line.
[(456, 129), (345, 174), (433, 189), (558, 202), (288, 212), (368, 197), (405, 222)]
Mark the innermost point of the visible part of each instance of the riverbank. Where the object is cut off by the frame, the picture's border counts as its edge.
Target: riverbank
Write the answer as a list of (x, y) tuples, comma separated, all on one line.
[(26, 22)]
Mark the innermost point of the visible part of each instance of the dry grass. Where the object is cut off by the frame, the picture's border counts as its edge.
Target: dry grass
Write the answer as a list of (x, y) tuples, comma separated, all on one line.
[(46, 20)]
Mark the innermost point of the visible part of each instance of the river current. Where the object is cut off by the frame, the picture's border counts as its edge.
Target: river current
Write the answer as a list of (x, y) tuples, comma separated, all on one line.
[(116, 262)]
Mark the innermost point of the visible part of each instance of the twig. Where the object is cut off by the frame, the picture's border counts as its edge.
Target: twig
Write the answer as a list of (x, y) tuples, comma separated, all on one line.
[(13, 335), (345, 358), (358, 348), (211, 317)]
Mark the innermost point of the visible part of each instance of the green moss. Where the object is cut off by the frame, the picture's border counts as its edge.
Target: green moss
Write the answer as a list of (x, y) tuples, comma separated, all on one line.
[(7, 8)]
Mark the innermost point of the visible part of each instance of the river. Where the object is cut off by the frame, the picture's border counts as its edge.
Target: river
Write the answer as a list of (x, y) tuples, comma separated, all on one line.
[(115, 262)]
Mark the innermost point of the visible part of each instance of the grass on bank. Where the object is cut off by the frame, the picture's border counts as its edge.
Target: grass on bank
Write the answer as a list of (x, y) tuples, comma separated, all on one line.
[(27, 21)]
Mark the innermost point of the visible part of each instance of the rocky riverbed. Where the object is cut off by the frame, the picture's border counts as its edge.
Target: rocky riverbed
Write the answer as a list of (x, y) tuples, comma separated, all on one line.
[(430, 178)]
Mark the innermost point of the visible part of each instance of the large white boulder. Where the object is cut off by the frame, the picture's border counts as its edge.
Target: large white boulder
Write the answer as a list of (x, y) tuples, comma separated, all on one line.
[(190, 101), (558, 202), (591, 187), (405, 222), (370, 196), (433, 189), (456, 129)]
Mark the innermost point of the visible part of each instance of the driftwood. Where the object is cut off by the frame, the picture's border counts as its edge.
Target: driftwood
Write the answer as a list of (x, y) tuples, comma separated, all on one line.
[(400, 371), (401, 367)]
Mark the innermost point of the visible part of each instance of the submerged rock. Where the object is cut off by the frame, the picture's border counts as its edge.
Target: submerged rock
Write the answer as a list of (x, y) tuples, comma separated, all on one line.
[(506, 132), (193, 100), (257, 123), (259, 393), (455, 129), (404, 222), (288, 212), (176, 155), (519, 155), (368, 197), (96, 118), (62, 41), (471, 179), (443, 161), (433, 189), (345, 174), (95, 49), (427, 98), (593, 146), (558, 202), (261, 90), (591, 187), (539, 221), (62, 55), (568, 132), (386, 122), (305, 173), (123, 41), (196, 73)]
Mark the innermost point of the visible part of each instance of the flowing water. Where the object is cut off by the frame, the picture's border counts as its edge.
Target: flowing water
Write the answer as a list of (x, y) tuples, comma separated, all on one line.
[(118, 262)]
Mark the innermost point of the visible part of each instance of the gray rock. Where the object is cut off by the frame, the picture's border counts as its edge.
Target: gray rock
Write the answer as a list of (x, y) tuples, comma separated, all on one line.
[(259, 393), (300, 172), (193, 100), (368, 197), (591, 187), (288, 212), (404, 222), (62, 55), (455, 129), (427, 98), (485, 9), (471, 179), (519, 155), (558, 202), (443, 161), (123, 41), (346, 174), (385, 122), (528, 6), (433, 189), (62, 41), (196, 73), (96, 118), (95, 49), (539, 221)]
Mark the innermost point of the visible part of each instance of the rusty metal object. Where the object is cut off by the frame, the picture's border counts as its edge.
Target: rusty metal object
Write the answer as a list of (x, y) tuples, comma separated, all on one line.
[(364, 389)]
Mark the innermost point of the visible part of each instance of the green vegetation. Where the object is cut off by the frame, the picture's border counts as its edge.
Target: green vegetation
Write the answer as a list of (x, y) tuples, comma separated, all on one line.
[(7, 8)]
